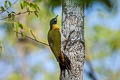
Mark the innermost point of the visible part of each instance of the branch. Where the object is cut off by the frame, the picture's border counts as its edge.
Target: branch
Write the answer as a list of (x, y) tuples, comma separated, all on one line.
[(19, 13), (8, 7), (32, 38), (91, 73)]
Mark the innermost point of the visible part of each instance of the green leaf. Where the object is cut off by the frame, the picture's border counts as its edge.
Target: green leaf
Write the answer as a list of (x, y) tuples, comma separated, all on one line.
[(21, 5), (28, 11), (31, 5), (9, 3), (17, 28), (23, 37), (9, 15), (21, 26), (37, 7), (2, 9), (13, 16), (1, 48), (36, 13), (26, 3), (5, 4)]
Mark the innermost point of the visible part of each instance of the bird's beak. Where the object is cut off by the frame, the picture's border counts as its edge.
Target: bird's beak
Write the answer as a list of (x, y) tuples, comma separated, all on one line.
[(56, 16)]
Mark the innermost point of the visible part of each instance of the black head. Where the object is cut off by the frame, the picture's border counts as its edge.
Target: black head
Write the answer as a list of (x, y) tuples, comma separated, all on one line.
[(53, 21)]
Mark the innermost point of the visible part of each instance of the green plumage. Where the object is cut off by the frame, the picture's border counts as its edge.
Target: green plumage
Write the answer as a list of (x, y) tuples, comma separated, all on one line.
[(54, 39)]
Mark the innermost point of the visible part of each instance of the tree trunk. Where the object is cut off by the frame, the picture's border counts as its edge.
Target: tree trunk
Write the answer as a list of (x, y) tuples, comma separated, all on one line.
[(73, 44)]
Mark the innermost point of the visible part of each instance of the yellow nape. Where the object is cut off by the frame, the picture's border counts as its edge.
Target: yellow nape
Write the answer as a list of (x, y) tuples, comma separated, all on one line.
[(55, 26)]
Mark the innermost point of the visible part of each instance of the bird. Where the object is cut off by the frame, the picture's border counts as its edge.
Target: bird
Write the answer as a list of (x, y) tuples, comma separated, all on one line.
[(54, 40)]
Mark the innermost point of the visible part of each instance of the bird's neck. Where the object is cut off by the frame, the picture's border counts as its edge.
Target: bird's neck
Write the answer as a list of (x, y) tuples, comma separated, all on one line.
[(55, 26)]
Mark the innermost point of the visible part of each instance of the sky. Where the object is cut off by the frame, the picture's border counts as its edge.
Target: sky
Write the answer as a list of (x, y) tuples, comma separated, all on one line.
[(98, 15)]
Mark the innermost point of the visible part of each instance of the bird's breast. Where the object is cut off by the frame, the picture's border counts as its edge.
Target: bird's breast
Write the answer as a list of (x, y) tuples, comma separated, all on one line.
[(55, 26)]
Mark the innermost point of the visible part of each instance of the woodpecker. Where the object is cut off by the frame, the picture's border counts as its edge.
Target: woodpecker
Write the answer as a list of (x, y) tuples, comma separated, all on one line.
[(54, 40)]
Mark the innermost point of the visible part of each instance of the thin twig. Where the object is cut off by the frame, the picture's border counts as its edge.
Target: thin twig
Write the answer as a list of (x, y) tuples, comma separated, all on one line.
[(19, 13), (32, 39), (91, 73)]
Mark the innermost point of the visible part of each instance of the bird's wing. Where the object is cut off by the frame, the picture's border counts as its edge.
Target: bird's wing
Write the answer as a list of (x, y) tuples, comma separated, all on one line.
[(56, 41)]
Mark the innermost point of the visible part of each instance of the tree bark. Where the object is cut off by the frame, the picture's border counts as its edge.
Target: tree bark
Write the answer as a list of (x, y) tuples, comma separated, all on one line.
[(73, 43)]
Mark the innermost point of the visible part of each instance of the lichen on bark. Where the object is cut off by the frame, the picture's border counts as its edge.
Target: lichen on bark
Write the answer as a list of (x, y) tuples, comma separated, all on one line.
[(73, 44)]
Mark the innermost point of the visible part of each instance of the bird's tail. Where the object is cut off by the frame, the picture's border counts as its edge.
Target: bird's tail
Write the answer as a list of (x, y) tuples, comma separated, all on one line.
[(64, 62)]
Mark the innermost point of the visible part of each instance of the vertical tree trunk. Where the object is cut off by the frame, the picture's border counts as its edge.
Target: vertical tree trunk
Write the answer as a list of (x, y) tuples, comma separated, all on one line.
[(73, 44)]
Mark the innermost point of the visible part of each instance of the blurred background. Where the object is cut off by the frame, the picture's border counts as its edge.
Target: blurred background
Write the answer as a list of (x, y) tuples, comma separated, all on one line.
[(23, 59)]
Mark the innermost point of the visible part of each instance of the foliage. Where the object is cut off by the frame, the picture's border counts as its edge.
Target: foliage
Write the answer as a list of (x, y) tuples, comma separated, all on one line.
[(106, 2), (102, 44)]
